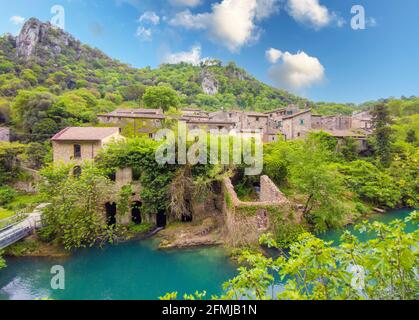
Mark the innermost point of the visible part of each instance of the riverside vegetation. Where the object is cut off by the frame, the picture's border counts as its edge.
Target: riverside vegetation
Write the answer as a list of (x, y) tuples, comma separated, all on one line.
[(335, 184)]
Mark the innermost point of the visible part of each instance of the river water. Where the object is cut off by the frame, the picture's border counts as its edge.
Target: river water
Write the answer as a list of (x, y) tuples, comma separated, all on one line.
[(134, 270)]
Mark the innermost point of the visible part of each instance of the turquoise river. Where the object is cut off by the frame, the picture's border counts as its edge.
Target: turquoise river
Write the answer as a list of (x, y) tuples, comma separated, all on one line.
[(134, 270)]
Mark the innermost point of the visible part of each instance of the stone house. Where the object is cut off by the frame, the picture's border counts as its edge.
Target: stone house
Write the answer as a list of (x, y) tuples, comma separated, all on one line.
[(78, 144), (297, 125), (331, 122), (135, 121), (4, 134), (278, 114)]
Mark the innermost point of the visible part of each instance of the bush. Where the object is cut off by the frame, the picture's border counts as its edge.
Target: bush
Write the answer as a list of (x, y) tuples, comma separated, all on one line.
[(7, 195)]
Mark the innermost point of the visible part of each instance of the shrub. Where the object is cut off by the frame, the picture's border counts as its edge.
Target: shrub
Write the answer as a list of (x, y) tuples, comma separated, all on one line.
[(7, 195)]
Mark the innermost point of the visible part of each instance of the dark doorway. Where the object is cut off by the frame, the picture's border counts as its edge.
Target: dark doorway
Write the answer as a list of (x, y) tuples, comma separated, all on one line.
[(110, 213), (187, 216), (136, 212), (161, 219)]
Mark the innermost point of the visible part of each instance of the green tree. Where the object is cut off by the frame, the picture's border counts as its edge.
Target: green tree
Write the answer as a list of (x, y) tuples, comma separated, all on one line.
[(161, 97), (349, 149), (75, 215), (411, 136), (29, 109), (382, 133), (311, 175), (132, 92), (9, 161)]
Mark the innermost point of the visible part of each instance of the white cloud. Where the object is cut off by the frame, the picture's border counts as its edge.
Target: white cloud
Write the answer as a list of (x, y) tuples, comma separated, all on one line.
[(297, 71), (189, 20), (17, 20), (273, 55), (144, 34), (231, 22), (193, 56), (310, 12), (185, 3), (150, 17)]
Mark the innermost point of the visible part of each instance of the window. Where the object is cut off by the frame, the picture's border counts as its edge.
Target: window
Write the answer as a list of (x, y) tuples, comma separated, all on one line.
[(257, 118), (302, 122), (289, 112), (77, 151)]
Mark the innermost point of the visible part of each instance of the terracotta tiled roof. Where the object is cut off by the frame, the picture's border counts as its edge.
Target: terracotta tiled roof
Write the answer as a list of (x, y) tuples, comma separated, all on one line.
[(275, 111), (255, 114), (296, 114), (209, 122), (133, 115), (84, 134), (137, 111)]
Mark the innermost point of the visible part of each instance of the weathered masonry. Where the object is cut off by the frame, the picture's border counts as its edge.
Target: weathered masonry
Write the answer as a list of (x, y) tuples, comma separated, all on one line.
[(246, 221), (78, 144)]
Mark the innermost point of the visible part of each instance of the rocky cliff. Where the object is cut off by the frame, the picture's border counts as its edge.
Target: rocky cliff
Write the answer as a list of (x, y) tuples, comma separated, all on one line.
[(37, 37), (209, 83)]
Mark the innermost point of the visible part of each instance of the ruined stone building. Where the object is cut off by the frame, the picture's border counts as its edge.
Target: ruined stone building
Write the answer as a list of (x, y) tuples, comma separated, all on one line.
[(363, 121)]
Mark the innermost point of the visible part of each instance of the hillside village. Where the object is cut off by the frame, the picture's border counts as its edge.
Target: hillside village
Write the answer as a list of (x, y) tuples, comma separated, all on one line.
[(289, 123), (84, 117)]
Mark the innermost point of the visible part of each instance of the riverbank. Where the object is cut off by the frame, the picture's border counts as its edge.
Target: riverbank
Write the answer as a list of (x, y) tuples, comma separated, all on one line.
[(199, 234), (33, 247)]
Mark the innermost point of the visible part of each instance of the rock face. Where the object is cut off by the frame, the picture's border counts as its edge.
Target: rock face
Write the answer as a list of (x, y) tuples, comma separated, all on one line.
[(209, 83), (37, 37)]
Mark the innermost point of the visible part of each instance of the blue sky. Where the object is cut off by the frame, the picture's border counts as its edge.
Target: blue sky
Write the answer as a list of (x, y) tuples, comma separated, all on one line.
[(316, 53)]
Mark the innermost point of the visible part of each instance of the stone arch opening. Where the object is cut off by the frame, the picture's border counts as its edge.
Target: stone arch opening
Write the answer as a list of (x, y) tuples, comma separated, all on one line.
[(110, 213), (136, 212), (161, 219)]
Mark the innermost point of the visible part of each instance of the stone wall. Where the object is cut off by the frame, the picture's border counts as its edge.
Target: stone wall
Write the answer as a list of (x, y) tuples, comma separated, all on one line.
[(269, 192), (246, 221), (4, 134)]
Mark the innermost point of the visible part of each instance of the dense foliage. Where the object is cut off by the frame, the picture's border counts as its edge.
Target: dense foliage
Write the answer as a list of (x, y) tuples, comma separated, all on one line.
[(383, 268), (75, 214)]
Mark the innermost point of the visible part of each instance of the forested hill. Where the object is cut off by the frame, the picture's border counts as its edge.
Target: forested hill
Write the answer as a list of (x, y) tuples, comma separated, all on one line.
[(42, 55)]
